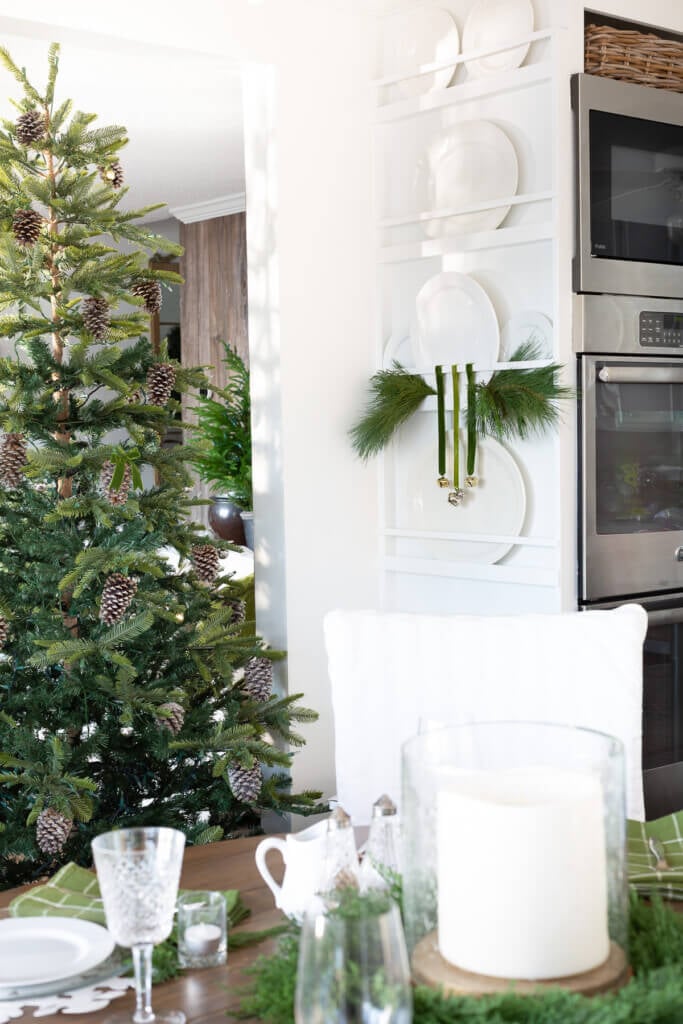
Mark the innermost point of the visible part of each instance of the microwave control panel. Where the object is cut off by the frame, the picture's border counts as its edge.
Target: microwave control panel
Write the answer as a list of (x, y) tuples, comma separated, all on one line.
[(661, 330)]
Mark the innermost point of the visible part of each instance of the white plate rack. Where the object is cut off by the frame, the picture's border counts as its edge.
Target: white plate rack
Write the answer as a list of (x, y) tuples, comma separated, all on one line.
[(539, 227)]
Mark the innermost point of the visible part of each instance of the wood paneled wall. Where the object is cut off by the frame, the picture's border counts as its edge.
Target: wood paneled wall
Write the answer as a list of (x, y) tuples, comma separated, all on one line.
[(213, 300)]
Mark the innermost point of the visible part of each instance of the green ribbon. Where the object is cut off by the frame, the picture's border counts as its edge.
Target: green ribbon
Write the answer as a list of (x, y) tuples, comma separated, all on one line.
[(455, 377), (441, 418), (471, 420), (126, 457)]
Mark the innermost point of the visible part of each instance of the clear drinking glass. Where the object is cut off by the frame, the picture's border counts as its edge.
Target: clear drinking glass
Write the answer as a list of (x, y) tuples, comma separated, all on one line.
[(138, 870), (353, 965)]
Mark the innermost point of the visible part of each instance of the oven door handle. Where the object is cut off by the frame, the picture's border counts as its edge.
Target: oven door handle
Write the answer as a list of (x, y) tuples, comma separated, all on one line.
[(664, 616), (641, 375)]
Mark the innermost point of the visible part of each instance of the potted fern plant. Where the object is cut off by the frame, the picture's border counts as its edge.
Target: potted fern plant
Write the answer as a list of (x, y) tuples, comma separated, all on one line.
[(223, 456)]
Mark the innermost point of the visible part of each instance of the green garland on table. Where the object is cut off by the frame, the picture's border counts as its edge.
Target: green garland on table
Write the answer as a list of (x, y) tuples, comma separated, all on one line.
[(513, 403), (653, 996)]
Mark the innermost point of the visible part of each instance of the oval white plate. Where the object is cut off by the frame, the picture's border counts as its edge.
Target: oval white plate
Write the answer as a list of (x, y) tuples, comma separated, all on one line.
[(529, 325), (421, 35), (497, 505), (493, 23), (456, 323), (400, 349), (34, 950), (473, 162)]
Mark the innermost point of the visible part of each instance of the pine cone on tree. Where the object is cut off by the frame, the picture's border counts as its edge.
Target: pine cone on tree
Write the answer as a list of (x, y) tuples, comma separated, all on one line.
[(150, 293), (52, 830), (120, 495), (4, 631), (96, 317), (258, 678), (112, 174), (206, 562), (239, 612), (29, 127), (173, 719), (117, 593), (26, 225), (245, 783), (12, 459), (160, 381)]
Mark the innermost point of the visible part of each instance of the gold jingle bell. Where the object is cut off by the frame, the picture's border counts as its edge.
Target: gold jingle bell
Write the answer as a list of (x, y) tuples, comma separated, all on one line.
[(455, 497), (443, 481), (471, 481)]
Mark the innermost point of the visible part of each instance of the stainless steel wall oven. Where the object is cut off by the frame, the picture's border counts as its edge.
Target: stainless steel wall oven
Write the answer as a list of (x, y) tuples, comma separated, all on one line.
[(631, 501)]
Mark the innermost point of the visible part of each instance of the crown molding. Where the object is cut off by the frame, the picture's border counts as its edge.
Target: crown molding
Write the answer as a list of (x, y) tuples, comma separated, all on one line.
[(221, 206)]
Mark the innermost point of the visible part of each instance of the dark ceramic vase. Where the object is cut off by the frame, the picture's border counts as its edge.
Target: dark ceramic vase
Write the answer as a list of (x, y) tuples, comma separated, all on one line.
[(225, 519)]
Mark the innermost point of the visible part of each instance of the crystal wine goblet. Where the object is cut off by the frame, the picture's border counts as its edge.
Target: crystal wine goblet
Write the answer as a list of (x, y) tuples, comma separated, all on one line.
[(353, 966), (138, 870)]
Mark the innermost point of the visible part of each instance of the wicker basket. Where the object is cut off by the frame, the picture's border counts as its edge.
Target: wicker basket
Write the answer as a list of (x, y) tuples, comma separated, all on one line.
[(634, 57)]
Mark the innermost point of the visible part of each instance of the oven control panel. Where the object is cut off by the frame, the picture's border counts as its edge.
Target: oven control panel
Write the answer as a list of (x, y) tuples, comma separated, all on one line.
[(661, 330)]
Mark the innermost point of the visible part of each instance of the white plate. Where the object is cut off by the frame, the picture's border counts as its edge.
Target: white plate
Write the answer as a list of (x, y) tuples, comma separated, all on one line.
[(34, 950), (456, 323), (412, 38), (474, 162), (400, 349), (497, 505), (493, 23), (529, 325)]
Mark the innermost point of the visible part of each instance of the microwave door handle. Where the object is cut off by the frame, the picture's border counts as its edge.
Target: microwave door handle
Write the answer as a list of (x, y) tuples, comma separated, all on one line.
[(641, 375)]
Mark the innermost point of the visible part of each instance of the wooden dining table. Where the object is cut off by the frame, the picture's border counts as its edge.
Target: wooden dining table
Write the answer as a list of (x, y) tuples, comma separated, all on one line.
[(203, 995)]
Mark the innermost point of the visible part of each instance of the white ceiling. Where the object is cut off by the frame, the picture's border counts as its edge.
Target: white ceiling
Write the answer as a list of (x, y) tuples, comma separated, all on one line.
[(183, 112)]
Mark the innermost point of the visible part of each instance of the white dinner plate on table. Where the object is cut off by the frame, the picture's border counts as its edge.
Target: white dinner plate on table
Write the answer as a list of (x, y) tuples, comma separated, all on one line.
[(472, 163), (496, 506), (527, 326), (37, 950), (493, 23), (418, 36), (456, 323)]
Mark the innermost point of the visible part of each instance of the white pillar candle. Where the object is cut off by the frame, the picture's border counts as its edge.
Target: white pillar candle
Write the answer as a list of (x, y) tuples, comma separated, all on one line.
[(522, 873), (203, 939)]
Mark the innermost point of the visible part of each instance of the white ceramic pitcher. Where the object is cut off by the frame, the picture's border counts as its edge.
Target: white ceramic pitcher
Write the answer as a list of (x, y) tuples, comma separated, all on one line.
[(304, 855)]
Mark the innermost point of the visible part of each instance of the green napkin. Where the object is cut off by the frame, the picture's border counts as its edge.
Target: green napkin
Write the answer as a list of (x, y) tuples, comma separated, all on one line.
[(642, 873), (74, 892)]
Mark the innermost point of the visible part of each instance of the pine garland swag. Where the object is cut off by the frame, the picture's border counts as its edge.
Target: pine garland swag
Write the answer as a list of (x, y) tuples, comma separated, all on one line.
[(514, 403), (654, 995)]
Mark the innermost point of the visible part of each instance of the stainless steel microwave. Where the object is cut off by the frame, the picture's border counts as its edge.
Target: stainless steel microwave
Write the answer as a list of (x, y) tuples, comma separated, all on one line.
[(629, 158)]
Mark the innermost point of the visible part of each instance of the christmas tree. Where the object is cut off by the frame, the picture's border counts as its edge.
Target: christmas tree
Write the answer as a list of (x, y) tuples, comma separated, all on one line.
[(131, 691)]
